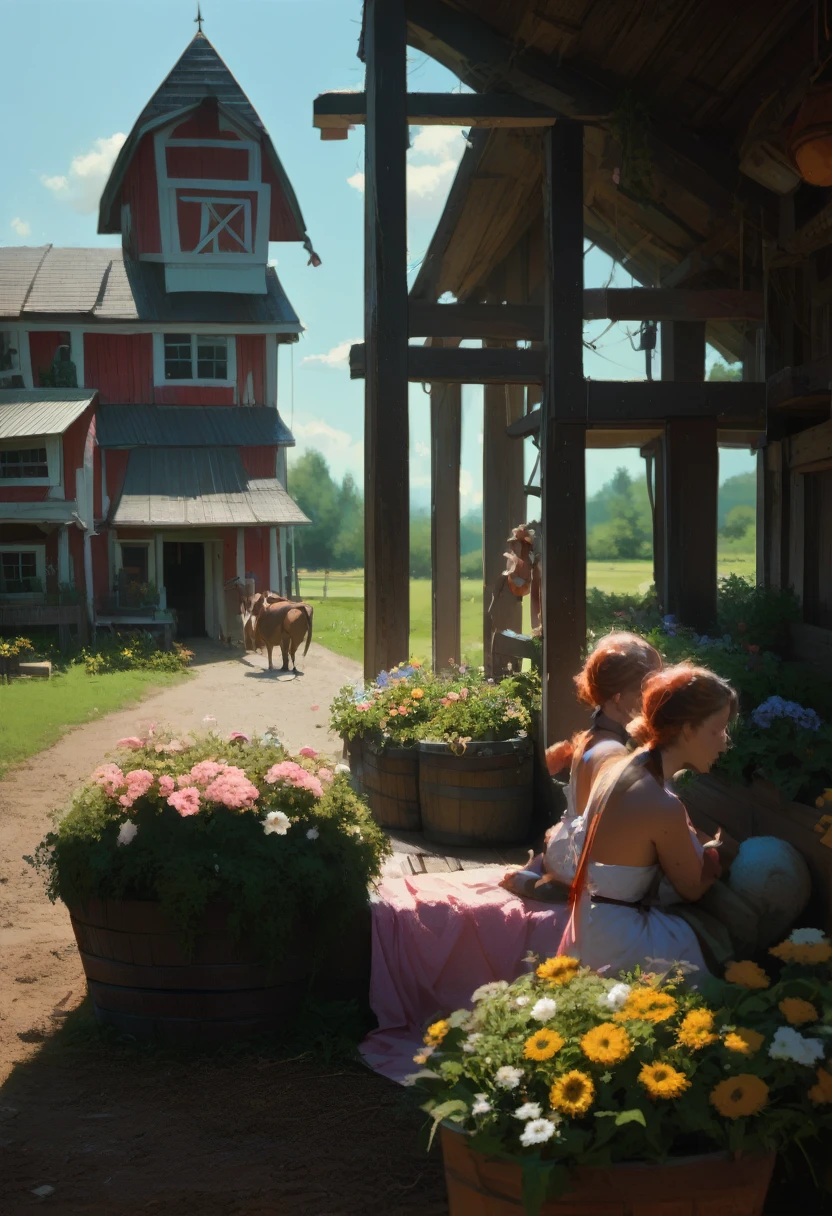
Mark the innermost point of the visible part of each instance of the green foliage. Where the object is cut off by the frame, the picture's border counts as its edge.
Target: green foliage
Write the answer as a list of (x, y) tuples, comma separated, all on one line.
[(348, 549), (631, 126), (134, 652), (470, 564), (274, 879), (738, 491), (739, 522), (733, 1073), (619, 523), (12, 648), (754, 615), (725, 371)]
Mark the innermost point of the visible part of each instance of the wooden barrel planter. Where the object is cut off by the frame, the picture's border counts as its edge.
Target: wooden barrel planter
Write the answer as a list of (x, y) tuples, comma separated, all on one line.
[(142, 983), (713, 1185), (388, 777), (483, 797)]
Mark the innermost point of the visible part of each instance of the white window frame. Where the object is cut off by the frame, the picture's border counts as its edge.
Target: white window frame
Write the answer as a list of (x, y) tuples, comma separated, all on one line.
[(54, 451), (159, 378), (6, 374), (135, 544), (39, 551)]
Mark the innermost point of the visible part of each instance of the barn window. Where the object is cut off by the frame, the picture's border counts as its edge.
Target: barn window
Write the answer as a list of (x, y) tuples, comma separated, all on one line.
[(22, 570), (11, 375), (178, 361), (19, 463), (203, 359)]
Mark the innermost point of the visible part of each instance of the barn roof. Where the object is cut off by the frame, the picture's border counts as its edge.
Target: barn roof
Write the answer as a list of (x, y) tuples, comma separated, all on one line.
[(104, 284), (41, 411), (129, 426), (199, 74), (198, 488)]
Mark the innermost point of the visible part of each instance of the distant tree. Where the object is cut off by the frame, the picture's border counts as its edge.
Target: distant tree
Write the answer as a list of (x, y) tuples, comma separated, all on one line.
[(420, 544), (619, 524), (348, 550), (725, 371), (313, 489), (737, 522), (737, 491)]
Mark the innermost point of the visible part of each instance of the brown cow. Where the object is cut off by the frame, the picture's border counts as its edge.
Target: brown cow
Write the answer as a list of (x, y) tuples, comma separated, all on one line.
[(284, 623)]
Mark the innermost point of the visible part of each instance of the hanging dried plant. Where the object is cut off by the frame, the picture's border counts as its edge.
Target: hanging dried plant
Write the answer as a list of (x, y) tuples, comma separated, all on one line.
[(630, 127)]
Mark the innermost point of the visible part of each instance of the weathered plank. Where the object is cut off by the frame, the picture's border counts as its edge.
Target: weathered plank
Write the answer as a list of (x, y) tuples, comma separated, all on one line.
[(339, 111), (433, 364), (736, 406), (446, 437), (692, 481), (386, 434)]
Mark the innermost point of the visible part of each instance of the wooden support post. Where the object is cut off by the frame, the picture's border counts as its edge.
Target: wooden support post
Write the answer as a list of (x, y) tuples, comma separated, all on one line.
[(563, 433), (692, 483), (683, 350), (503, 508), (386, 439), (445, 440)]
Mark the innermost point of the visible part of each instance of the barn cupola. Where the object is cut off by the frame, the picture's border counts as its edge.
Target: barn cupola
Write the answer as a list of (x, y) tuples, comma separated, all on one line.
[(198, 185)]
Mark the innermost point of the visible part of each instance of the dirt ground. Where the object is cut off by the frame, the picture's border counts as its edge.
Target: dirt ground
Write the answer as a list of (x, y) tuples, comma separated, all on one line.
[(114, 1129)]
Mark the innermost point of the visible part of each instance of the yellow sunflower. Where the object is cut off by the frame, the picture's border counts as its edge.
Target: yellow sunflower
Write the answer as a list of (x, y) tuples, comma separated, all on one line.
[(662, 1081), (437, 1032), (821, 1093), (747, 1042), (606, 1044), (747, 975), (543, 1045), (572, 1094), (797, 1012), (738, 1097), (647, 1005), (807, 953), (558, 970), (697, 1029)]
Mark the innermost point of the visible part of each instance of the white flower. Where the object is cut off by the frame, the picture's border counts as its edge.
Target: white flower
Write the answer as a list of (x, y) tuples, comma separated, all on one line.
[(312, 834), (470, 1044), (807, 937), (276, 821), (529, 1110), (508, 1077), (544, 1009), (537, 1132), (481, 1105), (615, 997), (787, 1044), (342, 768), (521, 1002), (485, 990), (127, 832)]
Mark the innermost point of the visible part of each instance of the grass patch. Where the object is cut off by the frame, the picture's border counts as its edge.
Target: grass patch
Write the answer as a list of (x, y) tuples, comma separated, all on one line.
[(339, 619), (35, 713)]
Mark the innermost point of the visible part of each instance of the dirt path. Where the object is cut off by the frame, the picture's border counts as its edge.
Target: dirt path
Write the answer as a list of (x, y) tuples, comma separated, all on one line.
[(40, 974)]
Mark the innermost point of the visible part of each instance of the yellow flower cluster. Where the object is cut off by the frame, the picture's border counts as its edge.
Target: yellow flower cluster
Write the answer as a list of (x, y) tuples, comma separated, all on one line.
[(697, 1029), (747, 975), (798, 1012), (807, 953), (746, 1042), (572, 1094), (436, 1033), (606, 1044), (543, 1045), (647, 1005), (662, 1081), (739, 1097), (821, 1093), (559, 970)]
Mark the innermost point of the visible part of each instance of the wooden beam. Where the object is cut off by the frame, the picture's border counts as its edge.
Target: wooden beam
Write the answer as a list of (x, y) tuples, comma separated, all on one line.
[(334, 111), (563, 433), (683, 351), (445, 438), (692, 486), (386, 436), (737, 406), (431, 364), (807, 384), (511, 322)]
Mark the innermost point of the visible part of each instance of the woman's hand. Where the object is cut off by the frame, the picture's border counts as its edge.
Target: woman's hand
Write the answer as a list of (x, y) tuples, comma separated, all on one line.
[(711, 864)]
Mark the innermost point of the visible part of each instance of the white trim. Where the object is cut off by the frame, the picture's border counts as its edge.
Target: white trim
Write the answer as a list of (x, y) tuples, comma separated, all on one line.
[(118, 562), (50, 511), (39, 550), (105, 498), (76, 351), (54, 449), (172, 327), (159, 379)]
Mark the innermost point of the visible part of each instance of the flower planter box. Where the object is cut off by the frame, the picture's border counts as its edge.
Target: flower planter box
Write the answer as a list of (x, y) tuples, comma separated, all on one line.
[(388, 777), (143, 984), (711, 1185), (483, 797)]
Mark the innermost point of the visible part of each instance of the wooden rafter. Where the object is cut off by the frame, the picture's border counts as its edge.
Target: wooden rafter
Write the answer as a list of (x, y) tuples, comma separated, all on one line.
[(340, 111)]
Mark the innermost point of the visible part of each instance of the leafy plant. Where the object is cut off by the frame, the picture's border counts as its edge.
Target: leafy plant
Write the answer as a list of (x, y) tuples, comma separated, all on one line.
[(390, 709), (631, 127), (282, 842), (479, 710), (566, 1067), (11, 648), (134, 652)]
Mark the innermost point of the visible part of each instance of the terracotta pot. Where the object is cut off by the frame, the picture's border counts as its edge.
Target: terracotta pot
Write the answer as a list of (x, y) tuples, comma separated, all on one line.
[(711, 1185)]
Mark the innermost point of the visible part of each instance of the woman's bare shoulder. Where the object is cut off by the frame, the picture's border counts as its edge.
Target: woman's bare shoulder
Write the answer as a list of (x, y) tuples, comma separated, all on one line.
[(650, 796)]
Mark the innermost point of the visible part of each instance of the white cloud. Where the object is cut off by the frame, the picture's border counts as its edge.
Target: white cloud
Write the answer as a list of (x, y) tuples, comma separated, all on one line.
[(421, 449), (21, 227), (431, 164), (469, 496), (87, 175), (338, 356), (342, 451)]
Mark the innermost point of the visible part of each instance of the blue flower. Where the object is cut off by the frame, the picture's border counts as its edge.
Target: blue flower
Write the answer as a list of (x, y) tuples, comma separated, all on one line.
[(383, 679), (776, 707)]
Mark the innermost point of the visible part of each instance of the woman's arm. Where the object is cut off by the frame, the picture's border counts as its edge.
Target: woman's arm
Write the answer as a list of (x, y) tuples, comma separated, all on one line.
[(691, 870)]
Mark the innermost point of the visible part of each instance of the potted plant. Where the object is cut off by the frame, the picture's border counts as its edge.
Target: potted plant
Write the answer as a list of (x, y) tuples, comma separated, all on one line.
[(11, 652), (475, 759), (379, 723), (570, 1091), (206, 878)]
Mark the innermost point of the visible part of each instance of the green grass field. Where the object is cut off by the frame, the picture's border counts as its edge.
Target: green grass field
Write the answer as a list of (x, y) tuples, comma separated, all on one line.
[(339, 619), (35, 713)]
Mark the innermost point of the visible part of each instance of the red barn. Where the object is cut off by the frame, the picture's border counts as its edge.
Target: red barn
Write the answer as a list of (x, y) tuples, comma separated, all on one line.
[(140, 439)]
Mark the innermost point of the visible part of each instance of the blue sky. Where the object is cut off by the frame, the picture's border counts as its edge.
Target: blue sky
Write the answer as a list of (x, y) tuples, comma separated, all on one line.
[(84, 71)]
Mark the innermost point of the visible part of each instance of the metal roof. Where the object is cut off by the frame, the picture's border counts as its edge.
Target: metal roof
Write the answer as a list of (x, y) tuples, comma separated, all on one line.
[(103, 284), (41, 411), (169, 426), (199, 488), (199, 74)]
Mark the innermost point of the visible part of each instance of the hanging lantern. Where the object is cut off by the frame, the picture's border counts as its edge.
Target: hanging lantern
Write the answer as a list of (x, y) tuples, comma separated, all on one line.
[(810, 142)]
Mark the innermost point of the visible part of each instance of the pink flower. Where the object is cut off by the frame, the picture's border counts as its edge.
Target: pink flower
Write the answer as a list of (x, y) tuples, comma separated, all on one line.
[(237, 736), (444, 701), (132, 741), (233, 789), (139, 781), (453, 696), (394, 713), (309, 752), (166, 785), (205, 772), (326, 775), (290, 773), (186, 801), (362, 706), (314, 708), (463, 692), (170, 749), (110, 776)]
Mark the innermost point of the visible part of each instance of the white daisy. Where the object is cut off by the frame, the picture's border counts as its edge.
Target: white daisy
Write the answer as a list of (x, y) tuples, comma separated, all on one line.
[(485, 990), (615, 997), (276, 821), (470, 1044), (521, 1001), (312, 834), (537, 1131), (807, 937), (481, 1105), (544, 1009), (529, 1110), (508, 1077), (127, 832), (787, 1044)]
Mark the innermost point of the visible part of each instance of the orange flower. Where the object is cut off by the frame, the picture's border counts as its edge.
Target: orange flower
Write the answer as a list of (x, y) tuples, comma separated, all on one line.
[(417, 694), (807, 953), (821, 1094), (558, 970), (747, 975), (737, 1097), (797, 1011), (747, 1042)]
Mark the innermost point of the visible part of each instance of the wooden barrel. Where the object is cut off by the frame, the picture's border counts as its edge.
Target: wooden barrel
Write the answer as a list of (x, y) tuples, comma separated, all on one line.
[(484, 796), (711, 1185), (142, 983), (388, 777)]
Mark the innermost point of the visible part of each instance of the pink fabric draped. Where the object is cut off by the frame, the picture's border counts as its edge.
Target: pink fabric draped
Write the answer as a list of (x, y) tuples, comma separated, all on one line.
[(436, 938)]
